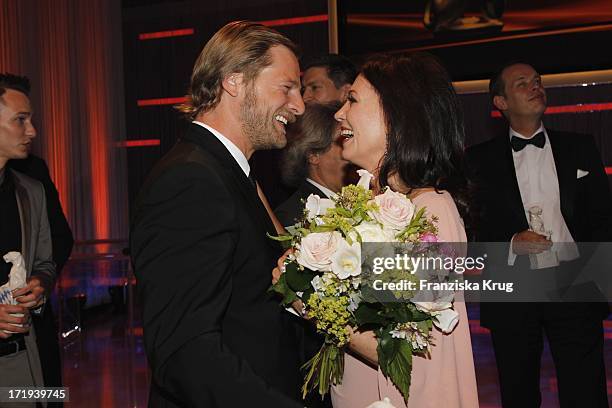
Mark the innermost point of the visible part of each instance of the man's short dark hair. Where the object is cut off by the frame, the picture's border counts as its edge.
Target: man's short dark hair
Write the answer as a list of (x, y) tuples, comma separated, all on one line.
[(339, 68), (497, 86), (14, 82)]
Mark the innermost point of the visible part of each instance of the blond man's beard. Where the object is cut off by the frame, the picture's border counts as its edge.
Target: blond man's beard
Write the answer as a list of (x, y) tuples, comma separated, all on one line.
[(258, 124)]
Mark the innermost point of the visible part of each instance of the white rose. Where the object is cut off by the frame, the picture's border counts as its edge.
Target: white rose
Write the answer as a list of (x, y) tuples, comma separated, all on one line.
[(346, 261), (385, 403), (316, 206), (365, 177), (433, 307), (373, 232), (395, 210), (446, 320), (316, 250)]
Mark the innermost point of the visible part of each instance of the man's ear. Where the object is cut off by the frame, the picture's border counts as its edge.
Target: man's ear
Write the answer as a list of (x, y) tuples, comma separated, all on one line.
[(232, 83), (313, 159), (500, 102), (344, 90)]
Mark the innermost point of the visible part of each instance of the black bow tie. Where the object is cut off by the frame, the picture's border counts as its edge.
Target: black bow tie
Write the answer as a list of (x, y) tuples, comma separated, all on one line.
[(518, 143)]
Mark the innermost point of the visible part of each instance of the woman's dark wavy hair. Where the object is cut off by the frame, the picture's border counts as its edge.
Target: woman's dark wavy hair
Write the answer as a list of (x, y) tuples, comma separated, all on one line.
[(424, 122)]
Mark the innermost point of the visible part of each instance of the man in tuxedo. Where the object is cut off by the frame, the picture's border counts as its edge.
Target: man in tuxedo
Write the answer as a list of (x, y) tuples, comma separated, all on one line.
[(562, 174), (24, 228), (312, 160), (214, 335)]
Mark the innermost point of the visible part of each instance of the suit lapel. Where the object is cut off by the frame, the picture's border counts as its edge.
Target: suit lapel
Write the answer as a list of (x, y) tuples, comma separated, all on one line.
[(309, 188), (507, 177), (566, 173), (202, 137), (25, 216)]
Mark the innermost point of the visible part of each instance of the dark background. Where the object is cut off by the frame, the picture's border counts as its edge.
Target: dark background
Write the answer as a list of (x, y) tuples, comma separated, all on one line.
[(555, 36)]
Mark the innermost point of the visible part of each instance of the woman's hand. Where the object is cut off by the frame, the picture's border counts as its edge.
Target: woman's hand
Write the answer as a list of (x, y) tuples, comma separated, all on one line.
[(280, 266), (364, 344)]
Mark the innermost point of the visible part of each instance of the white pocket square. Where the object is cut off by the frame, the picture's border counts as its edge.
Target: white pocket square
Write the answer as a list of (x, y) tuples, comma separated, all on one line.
[(581, 173)]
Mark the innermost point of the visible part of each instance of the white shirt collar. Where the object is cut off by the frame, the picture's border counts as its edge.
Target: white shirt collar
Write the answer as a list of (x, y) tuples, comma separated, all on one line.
[(517, 134), (231, 147), (324, 190)]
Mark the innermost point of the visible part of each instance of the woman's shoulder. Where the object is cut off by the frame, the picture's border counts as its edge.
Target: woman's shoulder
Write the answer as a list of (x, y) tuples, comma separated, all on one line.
[(431, 197), (441, 205)]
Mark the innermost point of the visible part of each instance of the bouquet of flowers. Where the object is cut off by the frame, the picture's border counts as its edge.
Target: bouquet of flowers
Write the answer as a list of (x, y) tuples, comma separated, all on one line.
[(324, 271)]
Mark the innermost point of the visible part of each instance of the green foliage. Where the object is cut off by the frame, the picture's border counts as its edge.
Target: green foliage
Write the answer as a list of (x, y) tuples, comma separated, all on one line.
[(288, 295), (419, 224), (298, 279), (325, 369), (387, 313), (368, 314), (395, 361)]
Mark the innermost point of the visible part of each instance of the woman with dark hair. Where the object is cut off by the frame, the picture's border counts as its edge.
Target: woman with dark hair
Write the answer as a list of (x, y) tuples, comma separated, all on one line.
[(403, 124)]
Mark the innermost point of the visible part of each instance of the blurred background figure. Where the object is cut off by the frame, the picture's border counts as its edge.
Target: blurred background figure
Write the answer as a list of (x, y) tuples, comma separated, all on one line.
[(327, 78)]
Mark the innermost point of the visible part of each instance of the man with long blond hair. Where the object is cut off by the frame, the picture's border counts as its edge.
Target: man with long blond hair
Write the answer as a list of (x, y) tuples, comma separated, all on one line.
[(214, 337)]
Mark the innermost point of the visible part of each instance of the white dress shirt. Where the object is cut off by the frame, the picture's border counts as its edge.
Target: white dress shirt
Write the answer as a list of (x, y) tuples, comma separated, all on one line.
[(231, 147), (328, 193), (538, 183)]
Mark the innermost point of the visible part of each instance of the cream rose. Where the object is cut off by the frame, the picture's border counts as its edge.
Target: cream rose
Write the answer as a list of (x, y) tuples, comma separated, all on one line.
[(316, 250), (395, 210)]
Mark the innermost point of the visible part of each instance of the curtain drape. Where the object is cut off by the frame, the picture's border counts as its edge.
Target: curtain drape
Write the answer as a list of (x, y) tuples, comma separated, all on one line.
[(72, 52)]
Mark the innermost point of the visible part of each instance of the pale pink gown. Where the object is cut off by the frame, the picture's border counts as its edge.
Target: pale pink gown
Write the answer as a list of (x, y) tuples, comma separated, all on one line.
[(447, 380)]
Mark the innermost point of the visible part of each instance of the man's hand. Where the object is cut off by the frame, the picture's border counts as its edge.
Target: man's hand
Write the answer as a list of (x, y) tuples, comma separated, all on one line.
[(6, 319), (529, 242), (32, 294)]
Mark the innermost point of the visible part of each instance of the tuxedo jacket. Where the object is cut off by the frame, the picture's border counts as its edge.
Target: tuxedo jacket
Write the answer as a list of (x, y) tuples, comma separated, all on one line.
[(585, 202), (36, 250), (214, 335), (293, 207)]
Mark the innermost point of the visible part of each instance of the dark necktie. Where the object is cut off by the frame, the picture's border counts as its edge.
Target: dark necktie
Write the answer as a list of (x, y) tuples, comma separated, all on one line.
[(252, 179), (518, 143)]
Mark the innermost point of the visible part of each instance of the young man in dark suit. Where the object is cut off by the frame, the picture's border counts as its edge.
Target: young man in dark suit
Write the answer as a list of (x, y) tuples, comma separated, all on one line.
[(24, 228), (214, 336), (562, 175), (62, 242)]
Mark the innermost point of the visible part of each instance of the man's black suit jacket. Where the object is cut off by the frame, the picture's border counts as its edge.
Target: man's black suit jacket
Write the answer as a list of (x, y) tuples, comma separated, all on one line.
[(586, 205), (214, 336), (291, 209)]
